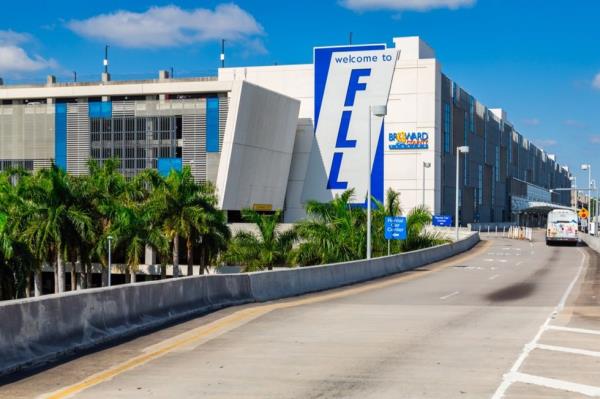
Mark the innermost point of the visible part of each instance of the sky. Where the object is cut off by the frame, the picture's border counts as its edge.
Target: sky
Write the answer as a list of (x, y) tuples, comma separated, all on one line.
[(537, 59)]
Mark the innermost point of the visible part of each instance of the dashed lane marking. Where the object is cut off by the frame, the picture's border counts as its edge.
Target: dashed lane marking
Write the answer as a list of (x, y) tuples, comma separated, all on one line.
[(449, 295)]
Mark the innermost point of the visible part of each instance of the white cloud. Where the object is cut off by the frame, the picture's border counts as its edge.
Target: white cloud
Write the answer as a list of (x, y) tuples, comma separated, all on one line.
[(532, 122), (596, 81), (546, 143), (14, 58), (170, 26), (405, 5), (574, 123), (9, 37)]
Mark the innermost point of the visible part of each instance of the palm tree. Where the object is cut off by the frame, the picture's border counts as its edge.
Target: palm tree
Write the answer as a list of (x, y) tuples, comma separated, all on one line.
[(269, 248), (133, 229), (103, 192), (334, 231), (183, 209), (57, 221)]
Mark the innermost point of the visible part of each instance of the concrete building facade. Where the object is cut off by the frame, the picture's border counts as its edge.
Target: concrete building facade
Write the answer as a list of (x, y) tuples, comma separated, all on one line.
[(251, 131)]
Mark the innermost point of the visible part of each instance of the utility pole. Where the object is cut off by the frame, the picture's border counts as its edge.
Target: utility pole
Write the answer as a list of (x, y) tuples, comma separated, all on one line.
[(222, 53), (106, 59)]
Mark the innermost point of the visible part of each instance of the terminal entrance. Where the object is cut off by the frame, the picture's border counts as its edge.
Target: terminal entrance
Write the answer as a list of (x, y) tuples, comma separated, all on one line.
[(532, 213)]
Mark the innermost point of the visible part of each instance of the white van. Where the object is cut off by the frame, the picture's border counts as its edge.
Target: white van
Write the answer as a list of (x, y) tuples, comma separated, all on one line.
[(562, 226)]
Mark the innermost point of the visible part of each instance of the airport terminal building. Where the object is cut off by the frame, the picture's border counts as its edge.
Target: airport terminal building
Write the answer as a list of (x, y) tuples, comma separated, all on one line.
[(273, 137)]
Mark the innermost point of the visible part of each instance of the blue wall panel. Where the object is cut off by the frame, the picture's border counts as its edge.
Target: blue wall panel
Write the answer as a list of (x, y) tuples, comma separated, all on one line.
[(165, 165), (60, 136), (100, 109), (212, 124)]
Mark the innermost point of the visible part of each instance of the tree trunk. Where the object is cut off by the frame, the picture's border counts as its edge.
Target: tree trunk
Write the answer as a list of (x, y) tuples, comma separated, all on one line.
[(55, 277), (202, 260), (104, 274), (73, 276), (60, 267), (176, 256), (28, 286), (79, 277), (37, 283), (190, 256), (88, 275), (132, 276)]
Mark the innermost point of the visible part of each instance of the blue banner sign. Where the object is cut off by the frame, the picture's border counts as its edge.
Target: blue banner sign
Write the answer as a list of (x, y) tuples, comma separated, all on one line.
[(442, 220), (348, 81), (395, 228)]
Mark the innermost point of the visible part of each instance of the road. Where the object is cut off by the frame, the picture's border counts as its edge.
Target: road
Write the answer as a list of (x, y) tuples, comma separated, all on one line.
[(508, 319)]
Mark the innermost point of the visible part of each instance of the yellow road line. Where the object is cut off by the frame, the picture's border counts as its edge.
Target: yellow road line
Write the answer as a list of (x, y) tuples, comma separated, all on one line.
[(243, 316)]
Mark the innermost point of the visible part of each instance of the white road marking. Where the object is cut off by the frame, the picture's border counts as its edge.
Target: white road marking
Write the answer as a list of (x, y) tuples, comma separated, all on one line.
[(588, 390), (564, 349), (507, 380), (495, 276), (449, 295), (503, 260), (488, 260), (575, 330)]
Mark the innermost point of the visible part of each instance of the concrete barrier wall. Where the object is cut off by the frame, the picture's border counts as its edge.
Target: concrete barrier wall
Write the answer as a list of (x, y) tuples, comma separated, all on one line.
[(34, 331), (591, 241)]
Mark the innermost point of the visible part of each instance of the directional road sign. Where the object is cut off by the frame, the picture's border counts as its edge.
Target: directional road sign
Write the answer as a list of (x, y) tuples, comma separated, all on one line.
[(395, 228), (442, 220)]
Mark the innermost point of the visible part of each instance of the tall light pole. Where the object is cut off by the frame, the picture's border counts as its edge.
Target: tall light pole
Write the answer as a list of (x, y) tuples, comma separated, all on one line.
[(573, 185), (109, 259), (459, 150), (425, 166), (588, 167), (594, 189), (380, 111)]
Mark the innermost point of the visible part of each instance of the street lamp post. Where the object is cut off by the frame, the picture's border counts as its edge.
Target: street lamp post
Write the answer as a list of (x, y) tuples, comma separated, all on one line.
[(425, 166), (594, 189), (380, 111), (588, 167), (459, 150), (109, 259)]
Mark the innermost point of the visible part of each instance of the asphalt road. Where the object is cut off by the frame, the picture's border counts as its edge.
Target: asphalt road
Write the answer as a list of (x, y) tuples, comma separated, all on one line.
[(509, 319)]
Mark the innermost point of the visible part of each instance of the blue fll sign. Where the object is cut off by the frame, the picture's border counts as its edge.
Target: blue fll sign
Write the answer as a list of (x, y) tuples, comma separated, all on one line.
[(348, 81), (395, 228), (442, 220)]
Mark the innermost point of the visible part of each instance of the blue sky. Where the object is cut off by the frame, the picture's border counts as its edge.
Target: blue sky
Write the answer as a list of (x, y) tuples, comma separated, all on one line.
[(537, 59)]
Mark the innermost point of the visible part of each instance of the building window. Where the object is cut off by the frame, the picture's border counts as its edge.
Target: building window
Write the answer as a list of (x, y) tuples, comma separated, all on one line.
[(480, 185), (466, 142), (472, 114), (137, 141), (493, 194), (447, 127), (497, 164)]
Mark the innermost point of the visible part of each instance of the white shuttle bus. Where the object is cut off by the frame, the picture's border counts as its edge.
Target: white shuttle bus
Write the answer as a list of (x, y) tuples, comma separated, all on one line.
[(562, 226)]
